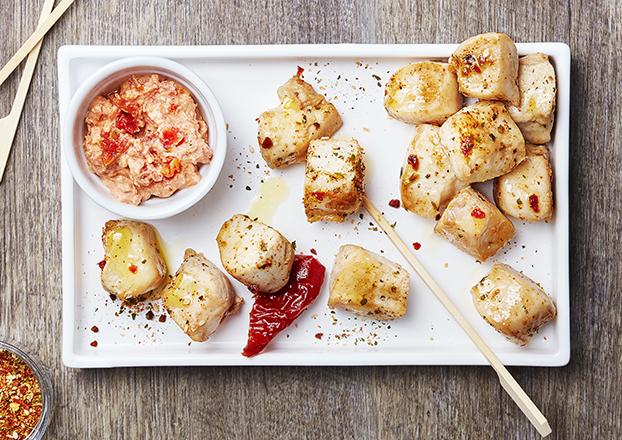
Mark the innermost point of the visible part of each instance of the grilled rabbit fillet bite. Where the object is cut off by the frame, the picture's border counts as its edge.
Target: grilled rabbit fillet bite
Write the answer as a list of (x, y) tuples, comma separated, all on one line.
[(334, 179), (423, 92), (474, 225), (482, 142), (512, 303), (427, 180), (368, 284), (303, 115), (255, 254), (526, 192), (133, 265), (535, 114), (487, 67), (199, 296)]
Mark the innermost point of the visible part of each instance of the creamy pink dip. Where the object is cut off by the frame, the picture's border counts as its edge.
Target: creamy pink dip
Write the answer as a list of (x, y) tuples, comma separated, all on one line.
[(147, 139)]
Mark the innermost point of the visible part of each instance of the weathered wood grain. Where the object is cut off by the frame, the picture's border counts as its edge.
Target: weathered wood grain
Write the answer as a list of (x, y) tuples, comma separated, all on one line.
[(582, 400)]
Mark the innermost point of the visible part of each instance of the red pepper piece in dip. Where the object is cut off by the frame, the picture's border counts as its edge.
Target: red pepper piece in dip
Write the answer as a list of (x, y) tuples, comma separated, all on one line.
[(273, 313), (171, 137), (111, 147), (127, 122), (478, 213)]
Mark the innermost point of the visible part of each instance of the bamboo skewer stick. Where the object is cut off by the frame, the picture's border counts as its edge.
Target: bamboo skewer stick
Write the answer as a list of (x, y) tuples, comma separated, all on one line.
[(8, 124), (507, 381), (34, 39)]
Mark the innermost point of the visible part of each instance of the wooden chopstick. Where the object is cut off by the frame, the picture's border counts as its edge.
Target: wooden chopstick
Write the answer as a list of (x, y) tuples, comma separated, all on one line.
[(8, 125), (507, 381), (32, 41)]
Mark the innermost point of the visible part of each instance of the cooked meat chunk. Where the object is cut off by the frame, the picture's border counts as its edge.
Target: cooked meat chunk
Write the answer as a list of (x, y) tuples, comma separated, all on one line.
[(482, 142), (423, 92), (487, 68), (199, 297), (427, 181), (512, 303), (303, 115), (368, 284), (538, 88), (526, 192), (133, 265), (255, 254), (334, 179), (474, 225)]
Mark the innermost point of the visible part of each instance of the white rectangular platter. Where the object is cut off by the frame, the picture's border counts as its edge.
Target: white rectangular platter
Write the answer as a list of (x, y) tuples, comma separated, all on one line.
[(245, 80)]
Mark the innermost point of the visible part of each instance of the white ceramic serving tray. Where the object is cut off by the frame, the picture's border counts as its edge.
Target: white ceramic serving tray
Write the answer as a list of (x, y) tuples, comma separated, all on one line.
[(245, 80)]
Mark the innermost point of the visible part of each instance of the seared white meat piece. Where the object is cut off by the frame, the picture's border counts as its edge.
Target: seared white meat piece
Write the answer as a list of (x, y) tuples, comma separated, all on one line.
[(303, 115), (512, 303), (255, 254), (368, 284), (526, 192), (423, 92), (334, 179), (537, 84), (482, 142), (427, 180), (487, 67), (133, 265), (199, 296), (474, 225)]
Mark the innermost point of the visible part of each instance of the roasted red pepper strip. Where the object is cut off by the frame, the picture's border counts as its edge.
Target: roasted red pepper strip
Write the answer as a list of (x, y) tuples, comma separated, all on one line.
[(273, 313)]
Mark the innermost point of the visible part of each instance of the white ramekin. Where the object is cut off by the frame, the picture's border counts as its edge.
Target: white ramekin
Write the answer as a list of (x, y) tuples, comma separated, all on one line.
[(106, 80)]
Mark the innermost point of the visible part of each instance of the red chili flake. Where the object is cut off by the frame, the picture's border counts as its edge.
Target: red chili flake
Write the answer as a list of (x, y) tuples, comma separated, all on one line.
[(478, 213), (94, 344), (413, 161), (299, 71), (133, 268), (267, 143), (173, 107), (171, 137), (127, 122), (417, 245), (313, 251), (162, 318), (534, 203), (466, 145), (21, 401), (95, 329), (319, 195), (394, 203), (472, 63), (102, 264), (319, 336), (111, 147), (149, 315)]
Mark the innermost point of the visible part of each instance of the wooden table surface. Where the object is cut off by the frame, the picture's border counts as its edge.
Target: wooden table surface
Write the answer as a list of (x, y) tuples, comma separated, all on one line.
[(582, 400)]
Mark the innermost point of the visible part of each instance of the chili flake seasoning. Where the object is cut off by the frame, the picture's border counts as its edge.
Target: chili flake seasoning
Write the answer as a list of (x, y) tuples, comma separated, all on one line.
[(21, 400)]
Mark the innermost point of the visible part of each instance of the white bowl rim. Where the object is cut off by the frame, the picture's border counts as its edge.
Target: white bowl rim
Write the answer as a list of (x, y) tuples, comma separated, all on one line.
[(180, 200)]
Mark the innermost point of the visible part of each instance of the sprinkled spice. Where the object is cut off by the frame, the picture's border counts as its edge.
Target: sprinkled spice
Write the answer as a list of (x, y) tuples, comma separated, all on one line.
[(94, 344), (21, 401), (413, 161), (162, 318), (95, 329), (534, 203), (466, 145), (478, 213), (394, 203), (102, 264), (417, 245), (299, 71), (133, 268), (313, 251), (319, 336)]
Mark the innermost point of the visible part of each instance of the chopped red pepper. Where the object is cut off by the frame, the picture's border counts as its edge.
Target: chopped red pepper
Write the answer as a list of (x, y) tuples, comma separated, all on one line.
[(299, 71), (267, 143), (94, 344), (534, 203), (478, 213), (133, 268), (272, 313), (111, 147), (313, 251), (319, 195), (417, 245), (173, 107), (171, 137), (127, 122), (319, 336), (394, 203), (102, 264), (413, 161), (95, 329), (162, 318), (466, 145)]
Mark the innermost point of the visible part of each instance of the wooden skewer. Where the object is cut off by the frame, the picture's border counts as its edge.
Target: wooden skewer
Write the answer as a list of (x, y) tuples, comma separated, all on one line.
[(8, 124), (507, 381), (34, 39)]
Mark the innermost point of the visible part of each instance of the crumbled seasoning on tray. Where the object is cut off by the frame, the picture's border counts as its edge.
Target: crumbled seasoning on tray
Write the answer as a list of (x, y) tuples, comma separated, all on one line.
[(21, 401)]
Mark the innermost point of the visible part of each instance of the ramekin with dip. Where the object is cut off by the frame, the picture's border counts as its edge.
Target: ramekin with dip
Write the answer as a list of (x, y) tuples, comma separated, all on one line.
[(146, 139)]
